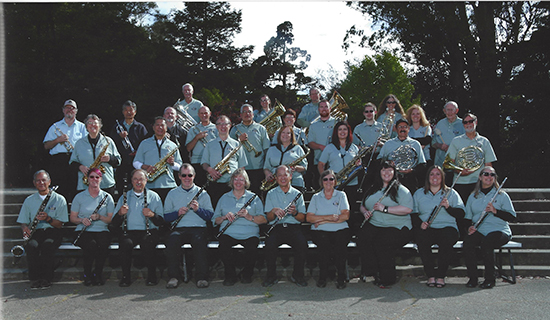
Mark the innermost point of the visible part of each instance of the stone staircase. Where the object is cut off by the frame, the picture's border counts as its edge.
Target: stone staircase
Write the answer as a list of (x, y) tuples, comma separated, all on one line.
[(532, 230)]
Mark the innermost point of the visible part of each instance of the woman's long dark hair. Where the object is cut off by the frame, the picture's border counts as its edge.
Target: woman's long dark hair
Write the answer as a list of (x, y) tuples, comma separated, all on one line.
[(335, 141), (378, 183)]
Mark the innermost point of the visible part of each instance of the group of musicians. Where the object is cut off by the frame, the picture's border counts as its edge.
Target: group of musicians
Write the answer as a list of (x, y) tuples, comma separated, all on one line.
[(237, 180)]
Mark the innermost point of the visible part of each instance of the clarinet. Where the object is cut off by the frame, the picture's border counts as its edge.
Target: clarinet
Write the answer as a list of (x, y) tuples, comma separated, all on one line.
[(101, 203), (286, 210), (381, 198), (175, 223), (19, 250), (484, 214), (436, 209), (125, 142), (231, 222), (145, 205), (125, 202)]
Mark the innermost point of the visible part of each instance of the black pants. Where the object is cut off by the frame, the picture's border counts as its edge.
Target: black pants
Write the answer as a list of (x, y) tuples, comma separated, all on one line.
[(445, 238), (355, 216), (40, 253), (378, 247), (61, 174), (229, 258), (493, 240), (95, 247), (464, 191), (332, 245), (147, 249), (256, 177), (292, 235), (197, 238)]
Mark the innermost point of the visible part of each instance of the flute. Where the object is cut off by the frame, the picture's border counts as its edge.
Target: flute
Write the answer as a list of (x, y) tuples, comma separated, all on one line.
[(381, 198), (484, 214), (231, 222), (436, 209)]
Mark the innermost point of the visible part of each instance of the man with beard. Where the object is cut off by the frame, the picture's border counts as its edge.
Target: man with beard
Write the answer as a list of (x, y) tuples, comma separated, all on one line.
[(409, 178), (197, 138), (176, 133), (319, 136)]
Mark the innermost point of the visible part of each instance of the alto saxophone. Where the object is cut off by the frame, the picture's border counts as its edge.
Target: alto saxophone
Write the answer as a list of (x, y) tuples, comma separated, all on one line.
[(160, 167), (269, 183), (223, 166), (97, 162), (350, 170)]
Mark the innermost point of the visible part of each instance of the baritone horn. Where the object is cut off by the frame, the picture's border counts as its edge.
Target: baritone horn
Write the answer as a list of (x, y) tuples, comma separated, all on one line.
[(272, 122)]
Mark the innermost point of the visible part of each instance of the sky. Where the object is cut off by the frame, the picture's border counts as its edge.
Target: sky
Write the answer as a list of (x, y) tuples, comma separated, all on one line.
[(319, 28)]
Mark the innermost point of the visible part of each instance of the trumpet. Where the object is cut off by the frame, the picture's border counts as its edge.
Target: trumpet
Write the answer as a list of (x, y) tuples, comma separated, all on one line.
[(19, 250), (67, 144), (248, 146), (202, 140)]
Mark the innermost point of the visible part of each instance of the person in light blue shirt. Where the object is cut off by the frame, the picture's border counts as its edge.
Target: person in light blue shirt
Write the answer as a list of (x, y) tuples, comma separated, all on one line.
[(490, 232), (289, 118), (188, 209), (138, 212), (46, 238), (440, 229), (310, 111), (239, 214), (444, 132), (91, 211), (319, 136), (60, 140), (387, 227), (197, 138), (328, 211), (189, 104), (264, 111), (389, 111)]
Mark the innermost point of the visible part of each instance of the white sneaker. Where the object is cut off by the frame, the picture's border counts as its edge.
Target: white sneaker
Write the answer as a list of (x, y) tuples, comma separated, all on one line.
[(202, 284), (172, 283)]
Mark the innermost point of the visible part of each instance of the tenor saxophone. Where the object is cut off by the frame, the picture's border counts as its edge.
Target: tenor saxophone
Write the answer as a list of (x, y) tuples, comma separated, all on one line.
[(160, 167), (350, 170), (269, 183), (97, 162)]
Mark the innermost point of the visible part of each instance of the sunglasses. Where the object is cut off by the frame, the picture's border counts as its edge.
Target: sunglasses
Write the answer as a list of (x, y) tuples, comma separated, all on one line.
[(94, 177), (328, 179), (190, 175), (368, 111), (391, 102), (488, 174), (468, 121)]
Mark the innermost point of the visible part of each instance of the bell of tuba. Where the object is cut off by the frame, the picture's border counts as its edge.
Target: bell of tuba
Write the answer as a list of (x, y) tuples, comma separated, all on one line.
[(183, 118), (337, 105), (270, 122)]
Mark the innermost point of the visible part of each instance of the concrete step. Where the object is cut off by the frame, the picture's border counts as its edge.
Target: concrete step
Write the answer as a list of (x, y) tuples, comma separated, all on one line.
[(530, 228), (528, 193), (531, 205), (533, 216), (533, 241), (16, 195)]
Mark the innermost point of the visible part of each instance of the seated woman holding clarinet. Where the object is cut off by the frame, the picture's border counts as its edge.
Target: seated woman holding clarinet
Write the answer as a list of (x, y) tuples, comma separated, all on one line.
[(490, 209), (437, 209)]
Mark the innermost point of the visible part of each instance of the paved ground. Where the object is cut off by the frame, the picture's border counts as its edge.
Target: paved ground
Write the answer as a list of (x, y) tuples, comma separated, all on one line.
[(409, 299)]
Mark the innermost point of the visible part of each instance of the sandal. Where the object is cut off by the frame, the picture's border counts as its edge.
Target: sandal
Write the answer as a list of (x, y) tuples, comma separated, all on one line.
[(431, 282), (440, 283)]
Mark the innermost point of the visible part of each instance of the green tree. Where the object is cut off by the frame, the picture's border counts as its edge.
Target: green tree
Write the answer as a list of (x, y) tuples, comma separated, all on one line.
[(374, 78)]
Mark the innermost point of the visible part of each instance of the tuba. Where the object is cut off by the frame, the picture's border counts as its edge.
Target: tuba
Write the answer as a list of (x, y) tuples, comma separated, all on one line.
[(404, 157), (160, 167), (270, 122), (184, 119), (97, 162), (268, 184), (470, 157)]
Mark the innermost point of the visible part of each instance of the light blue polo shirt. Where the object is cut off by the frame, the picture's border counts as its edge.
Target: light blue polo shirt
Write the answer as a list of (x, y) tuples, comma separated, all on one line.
[(136, 219)]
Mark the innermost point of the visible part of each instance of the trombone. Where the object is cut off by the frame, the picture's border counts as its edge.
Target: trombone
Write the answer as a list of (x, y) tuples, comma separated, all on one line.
[(248, 146)]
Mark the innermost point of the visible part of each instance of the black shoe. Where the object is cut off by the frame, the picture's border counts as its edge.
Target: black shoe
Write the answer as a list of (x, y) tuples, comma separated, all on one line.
[(36, 284), (98, 279), (45, 284), (151, 281), (299, 281), (88, 280), (125, 282), (487, 284), (269, 281), (229, 282), (321, 283), (340, 284), (472, 283), (246, 279)]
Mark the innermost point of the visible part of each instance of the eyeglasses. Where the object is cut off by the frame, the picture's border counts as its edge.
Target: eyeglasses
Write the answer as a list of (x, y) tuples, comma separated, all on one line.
[(485, 174), (239, 180), (223, 124), (467, 121), (328, 179), (368, 111), (402, 127), (94, 177), (190, 175), (391, 102)]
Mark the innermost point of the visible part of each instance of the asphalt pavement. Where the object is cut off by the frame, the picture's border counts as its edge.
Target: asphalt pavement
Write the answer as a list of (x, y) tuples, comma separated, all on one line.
[(410, 298)]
